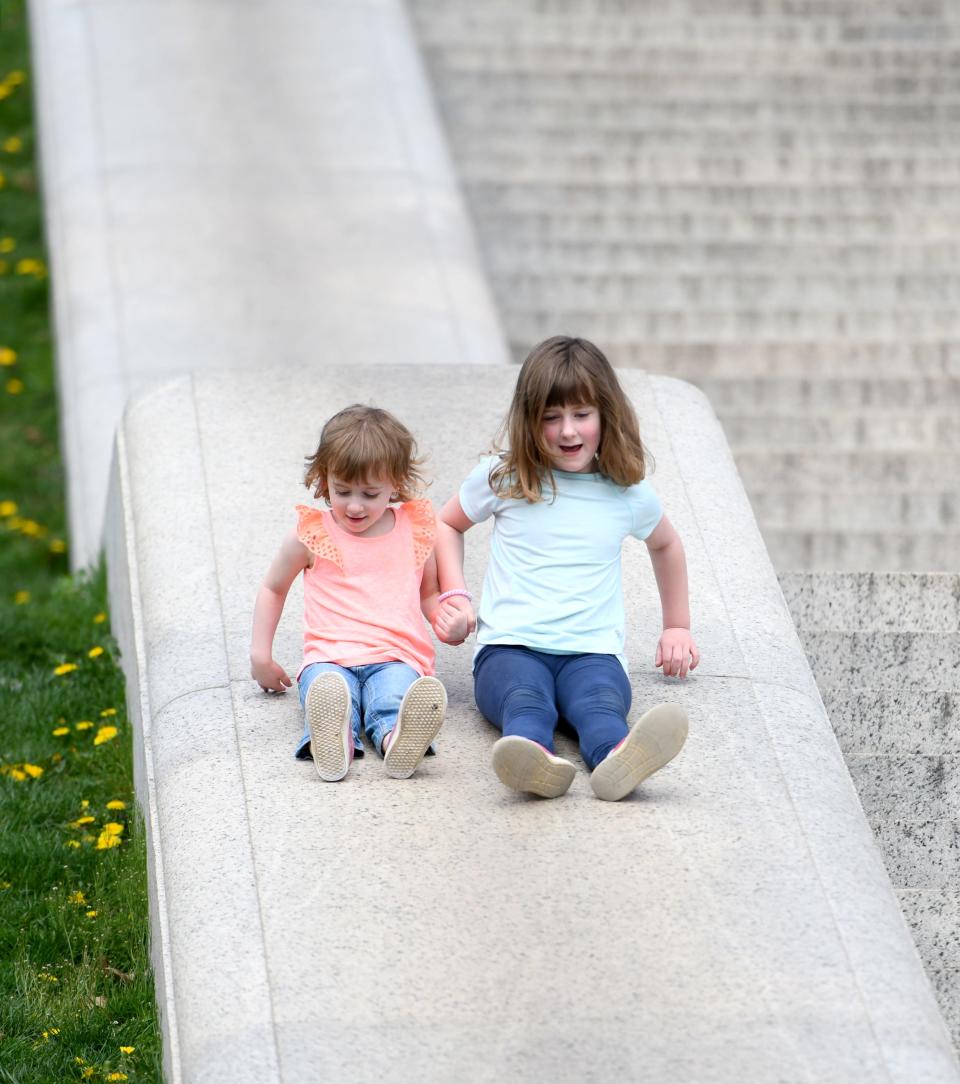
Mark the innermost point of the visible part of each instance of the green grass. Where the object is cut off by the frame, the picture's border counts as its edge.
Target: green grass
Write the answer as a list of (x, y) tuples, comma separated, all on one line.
[(75, 983)]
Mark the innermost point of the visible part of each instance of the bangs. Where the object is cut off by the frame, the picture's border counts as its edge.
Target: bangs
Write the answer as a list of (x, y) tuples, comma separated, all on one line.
[(363, 458), (572, 386)]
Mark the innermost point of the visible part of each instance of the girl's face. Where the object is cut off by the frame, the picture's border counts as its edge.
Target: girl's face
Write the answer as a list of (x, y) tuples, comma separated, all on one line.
[(359, 507), (572, 436)]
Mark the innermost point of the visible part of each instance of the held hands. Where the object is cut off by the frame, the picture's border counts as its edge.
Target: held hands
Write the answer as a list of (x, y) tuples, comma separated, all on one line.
[(269, 675), (677, 652), (454, 620)]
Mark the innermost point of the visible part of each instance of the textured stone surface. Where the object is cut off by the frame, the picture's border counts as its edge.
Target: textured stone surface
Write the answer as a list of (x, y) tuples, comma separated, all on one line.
[(228, 185), (731, 918)]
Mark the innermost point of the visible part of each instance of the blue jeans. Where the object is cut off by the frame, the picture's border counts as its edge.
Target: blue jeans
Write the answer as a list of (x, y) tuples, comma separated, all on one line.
[(526, 692), (376, 691)]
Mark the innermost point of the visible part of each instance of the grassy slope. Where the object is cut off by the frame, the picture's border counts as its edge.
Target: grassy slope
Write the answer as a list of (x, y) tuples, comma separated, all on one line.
[(74, 966)]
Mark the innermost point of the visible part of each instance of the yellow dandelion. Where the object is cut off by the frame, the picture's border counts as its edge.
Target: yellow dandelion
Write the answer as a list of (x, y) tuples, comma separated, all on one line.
[(17, 775), (115, 1076), (5, 91), (91, 914), (47, 978), (59, 731), (84, 802), (95, 652), (13, 145), (79, 1061), (65, 668), (85, 1074), (32, 528), (84, 724), (15, 78), (21, 598), (116, 804), (4, 885), (58, 545), (81, 821), (107, 712), (112, 828), (7, 356), (33, 770), (8, 508), (104, 734), (105, 841), (14, 386), (127, 1049), (30, 266), (98, 619), (74, 844), (76, 897)]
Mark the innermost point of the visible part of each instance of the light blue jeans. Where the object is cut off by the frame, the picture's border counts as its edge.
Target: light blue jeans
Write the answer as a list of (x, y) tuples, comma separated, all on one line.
[(376, 691)]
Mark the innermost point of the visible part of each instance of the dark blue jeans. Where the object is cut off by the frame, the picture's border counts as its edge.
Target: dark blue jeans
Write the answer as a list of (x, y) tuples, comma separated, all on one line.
[(526, 692)]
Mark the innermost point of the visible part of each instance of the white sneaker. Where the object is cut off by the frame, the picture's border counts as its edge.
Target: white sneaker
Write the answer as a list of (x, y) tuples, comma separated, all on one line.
[(656, 738), (328, 719), (526, 766), (418, 721)]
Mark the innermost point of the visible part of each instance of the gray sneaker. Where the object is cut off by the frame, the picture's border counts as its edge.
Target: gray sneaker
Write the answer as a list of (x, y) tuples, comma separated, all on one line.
[(525, 765), (656, 738), (418, 721), (328, 719)]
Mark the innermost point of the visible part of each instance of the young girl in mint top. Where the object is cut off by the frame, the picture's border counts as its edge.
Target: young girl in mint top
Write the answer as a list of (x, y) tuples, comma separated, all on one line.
[(550, 634), (369, 580)]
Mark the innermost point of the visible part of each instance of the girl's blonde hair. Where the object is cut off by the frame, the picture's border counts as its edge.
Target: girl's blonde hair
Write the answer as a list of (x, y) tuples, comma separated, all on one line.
[(362, 443), (563, 371)]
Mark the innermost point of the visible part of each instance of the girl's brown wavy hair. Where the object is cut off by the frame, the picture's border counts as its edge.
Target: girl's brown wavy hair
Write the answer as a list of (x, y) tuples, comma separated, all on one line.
[(563, 371), (362, 443)]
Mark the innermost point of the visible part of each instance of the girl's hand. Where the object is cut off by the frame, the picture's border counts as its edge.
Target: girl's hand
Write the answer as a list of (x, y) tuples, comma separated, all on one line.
[(677, 652), (270, 675), (454, 620)]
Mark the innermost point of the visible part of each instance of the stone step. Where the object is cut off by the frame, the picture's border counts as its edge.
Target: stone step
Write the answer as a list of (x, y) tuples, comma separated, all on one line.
[(529, 326), (619, 205), (850, 660), (904, 721), (606, 292), (912, 802), (628, 253), (719, 165), (776, 396), (873, 602), (453, 58), (618, 83), (614, 246), (934, 917), (856, 510), (615, 123), (741, 360), (888, 550), (848, 431), (810, 471)]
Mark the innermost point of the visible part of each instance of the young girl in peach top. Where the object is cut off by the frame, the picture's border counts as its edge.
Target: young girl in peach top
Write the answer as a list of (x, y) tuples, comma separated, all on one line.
[(369, 580)]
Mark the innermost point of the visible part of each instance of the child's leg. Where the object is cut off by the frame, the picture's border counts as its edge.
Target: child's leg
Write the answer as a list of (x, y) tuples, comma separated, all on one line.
[(306, 679), (402, 713), (330, 706), (514, 689), (593, 695)]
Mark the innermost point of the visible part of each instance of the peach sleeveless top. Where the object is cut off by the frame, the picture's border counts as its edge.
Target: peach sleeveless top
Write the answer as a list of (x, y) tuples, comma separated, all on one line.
[(361, 596)]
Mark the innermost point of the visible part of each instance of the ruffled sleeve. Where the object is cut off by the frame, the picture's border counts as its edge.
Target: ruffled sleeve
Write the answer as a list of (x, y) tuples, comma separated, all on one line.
[(312, 532), (424, 524)]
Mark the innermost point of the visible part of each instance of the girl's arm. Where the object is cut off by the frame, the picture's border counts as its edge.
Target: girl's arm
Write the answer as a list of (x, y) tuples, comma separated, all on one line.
[(676, 650), (452, 523), (292, 559), (449, 623)]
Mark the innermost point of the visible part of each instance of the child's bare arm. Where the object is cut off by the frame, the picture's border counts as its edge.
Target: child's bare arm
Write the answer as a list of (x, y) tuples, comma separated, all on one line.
[(292, 559), (451, 624), (676, 649), (452, 523)]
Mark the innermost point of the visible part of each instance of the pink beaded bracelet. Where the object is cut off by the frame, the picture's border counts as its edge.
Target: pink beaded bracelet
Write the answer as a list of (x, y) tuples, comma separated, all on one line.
[(456, 591)]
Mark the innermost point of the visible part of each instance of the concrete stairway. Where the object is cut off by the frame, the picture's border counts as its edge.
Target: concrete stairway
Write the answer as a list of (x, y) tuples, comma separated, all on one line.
[(759, 197), (885, 650)]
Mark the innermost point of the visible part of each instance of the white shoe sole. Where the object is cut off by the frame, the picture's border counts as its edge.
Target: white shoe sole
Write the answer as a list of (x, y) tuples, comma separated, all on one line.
[(418, 722), (328, 720), (523, 765), (656, 738)]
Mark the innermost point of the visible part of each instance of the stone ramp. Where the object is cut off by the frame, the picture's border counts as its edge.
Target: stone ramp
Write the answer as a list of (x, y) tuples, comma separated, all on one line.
[(732, 921)]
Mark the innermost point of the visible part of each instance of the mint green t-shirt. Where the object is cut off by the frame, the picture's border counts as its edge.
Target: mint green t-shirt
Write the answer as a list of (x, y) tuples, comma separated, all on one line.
[(553, 581)]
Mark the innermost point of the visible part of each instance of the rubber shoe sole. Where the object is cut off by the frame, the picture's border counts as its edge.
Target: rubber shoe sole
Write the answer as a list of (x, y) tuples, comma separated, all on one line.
[(656, 738), (328, 719), (418, 722), (523, 765)]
